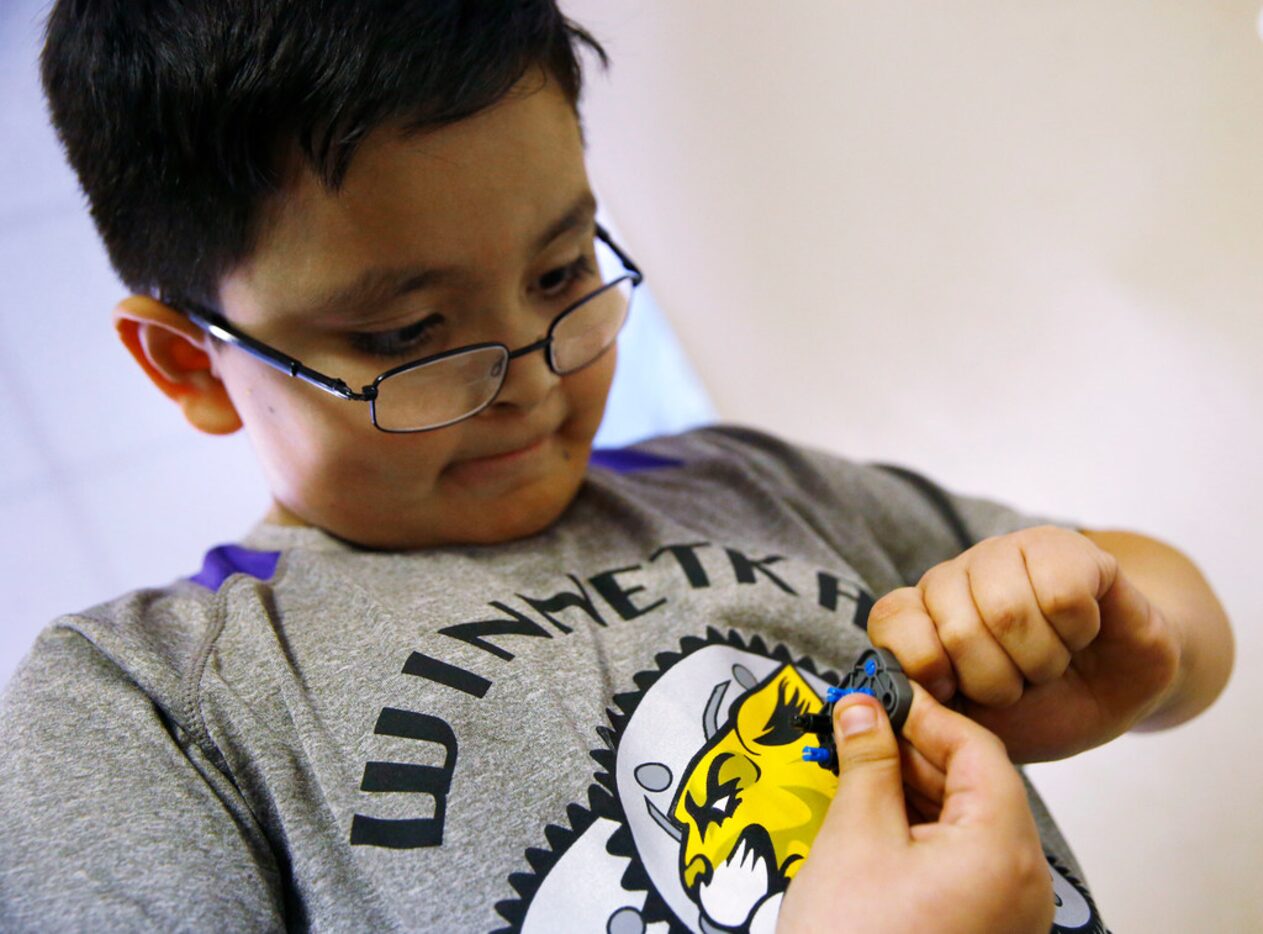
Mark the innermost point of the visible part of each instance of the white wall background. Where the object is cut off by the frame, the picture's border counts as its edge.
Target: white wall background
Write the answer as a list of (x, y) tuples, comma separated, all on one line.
[(1020, 247), (1015, 245)]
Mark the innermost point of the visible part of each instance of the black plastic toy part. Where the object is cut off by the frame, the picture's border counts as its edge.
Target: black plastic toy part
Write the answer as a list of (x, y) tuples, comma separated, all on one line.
[(876, 673)]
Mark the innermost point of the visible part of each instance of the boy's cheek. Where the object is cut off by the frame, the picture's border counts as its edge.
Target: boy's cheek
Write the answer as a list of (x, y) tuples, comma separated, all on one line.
[(310, 442), (315, 449), (588, 390)]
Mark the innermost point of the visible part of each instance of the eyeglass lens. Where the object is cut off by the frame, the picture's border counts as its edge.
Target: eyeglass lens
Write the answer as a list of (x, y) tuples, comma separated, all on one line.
[(450, 389)]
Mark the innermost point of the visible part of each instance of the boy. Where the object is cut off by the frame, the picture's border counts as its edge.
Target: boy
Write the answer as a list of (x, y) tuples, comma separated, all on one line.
[(461, 676)]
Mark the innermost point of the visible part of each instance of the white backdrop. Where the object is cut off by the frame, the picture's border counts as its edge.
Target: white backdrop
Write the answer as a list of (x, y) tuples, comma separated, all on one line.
[(1018, 246)]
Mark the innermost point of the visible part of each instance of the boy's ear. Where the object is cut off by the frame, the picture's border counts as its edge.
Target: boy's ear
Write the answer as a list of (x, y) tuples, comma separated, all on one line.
[(172, 352)]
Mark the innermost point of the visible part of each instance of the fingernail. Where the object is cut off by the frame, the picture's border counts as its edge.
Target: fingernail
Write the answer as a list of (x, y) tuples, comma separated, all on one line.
[(857, 719)]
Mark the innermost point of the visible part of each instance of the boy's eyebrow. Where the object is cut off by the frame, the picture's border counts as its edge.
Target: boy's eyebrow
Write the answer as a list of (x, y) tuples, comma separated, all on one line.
[(376, 287), (372, 289), (581, 212)]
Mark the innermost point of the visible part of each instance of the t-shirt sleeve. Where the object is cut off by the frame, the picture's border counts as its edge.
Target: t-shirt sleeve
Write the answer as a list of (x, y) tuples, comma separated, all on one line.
[(111, 818)]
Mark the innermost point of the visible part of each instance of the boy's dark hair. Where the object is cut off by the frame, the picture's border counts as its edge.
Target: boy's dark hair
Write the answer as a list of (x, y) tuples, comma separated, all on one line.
[(180, 116)]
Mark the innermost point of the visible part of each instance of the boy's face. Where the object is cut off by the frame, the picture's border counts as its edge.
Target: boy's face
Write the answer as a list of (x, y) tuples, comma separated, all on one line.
[(496, 207)]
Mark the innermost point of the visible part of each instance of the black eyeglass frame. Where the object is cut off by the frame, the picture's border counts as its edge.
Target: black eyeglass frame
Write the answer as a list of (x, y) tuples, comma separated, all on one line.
[(219, 327)]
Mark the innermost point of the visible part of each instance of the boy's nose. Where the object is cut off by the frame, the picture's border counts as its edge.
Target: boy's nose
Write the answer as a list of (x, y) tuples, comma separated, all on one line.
[(528, 381), (529, 378)]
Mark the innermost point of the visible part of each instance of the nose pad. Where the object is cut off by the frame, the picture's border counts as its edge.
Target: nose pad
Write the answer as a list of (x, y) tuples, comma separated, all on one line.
[(528, 381), (529, 378)]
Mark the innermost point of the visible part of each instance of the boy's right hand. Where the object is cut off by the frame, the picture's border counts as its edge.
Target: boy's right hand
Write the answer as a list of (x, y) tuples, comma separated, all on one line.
[(970, 863)]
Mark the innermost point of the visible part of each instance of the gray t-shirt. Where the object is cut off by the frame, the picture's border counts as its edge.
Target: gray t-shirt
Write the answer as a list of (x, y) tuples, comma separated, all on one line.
[(588, 729)]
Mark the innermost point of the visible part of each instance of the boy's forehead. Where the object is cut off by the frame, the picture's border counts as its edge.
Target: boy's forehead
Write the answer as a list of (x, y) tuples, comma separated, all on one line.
[(449, 201)]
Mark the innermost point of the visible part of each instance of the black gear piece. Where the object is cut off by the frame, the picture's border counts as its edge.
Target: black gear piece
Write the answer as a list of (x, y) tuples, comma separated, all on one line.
[(876, 672)]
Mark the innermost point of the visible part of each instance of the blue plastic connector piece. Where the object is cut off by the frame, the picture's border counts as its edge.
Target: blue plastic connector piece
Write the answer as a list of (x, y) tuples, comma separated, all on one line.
[(876, 673)]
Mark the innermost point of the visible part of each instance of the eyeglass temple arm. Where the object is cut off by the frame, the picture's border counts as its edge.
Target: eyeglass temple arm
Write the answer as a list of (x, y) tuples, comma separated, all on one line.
[(218, 327), (623, 257)]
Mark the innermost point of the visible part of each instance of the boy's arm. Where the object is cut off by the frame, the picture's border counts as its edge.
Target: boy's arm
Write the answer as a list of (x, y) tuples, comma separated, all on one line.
[(1176, 588), (109, 818)]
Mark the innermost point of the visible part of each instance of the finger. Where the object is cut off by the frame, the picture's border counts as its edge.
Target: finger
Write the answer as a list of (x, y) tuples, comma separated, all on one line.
[(1127, 613), (980, 784), (921, 809), (1005, 597), (924, 729), (1068, 582), (899, 622), (984, 671), (868, 809), (920, 774), (1135, 639)]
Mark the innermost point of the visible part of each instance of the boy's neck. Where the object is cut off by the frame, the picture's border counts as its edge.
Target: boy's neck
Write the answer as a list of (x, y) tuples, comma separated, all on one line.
[(278, 514)]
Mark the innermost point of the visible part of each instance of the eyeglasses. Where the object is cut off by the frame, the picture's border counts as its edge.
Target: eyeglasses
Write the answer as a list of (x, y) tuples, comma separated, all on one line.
[(449, 387)]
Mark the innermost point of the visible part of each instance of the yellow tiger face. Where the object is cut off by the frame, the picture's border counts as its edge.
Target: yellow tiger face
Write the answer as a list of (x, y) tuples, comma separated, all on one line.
[(749, 805)]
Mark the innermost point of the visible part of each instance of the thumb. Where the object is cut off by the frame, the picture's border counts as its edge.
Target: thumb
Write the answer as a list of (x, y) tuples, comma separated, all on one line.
[(869, 805)]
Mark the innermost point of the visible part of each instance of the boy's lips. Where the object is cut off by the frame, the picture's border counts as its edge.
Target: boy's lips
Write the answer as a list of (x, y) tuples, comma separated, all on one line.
[(508, 459)]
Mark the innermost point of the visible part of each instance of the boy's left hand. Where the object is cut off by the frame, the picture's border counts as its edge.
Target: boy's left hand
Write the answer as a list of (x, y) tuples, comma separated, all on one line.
[(1041, 638)]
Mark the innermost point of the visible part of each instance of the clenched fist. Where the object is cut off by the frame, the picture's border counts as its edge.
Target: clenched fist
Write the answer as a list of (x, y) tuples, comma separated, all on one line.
[(1039, 636)]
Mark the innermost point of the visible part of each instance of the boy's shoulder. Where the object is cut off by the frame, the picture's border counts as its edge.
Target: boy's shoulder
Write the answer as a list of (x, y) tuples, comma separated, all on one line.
[(769, 472), (103, 738), (716, 451), (150, 638), (858, 506), (151, 643)]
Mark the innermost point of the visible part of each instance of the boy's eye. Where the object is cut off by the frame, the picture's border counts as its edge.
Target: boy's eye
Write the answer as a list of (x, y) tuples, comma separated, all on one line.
[(570, 281), (569, 278), (396, 343)]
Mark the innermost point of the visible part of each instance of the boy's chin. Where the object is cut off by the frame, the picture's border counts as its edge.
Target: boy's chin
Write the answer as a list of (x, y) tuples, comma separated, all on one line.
[(520, 518), (492, 524), (500, 531)]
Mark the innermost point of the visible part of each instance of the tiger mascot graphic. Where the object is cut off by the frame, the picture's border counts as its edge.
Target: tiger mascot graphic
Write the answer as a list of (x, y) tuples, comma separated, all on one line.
[(748, 806), (704, 808)]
